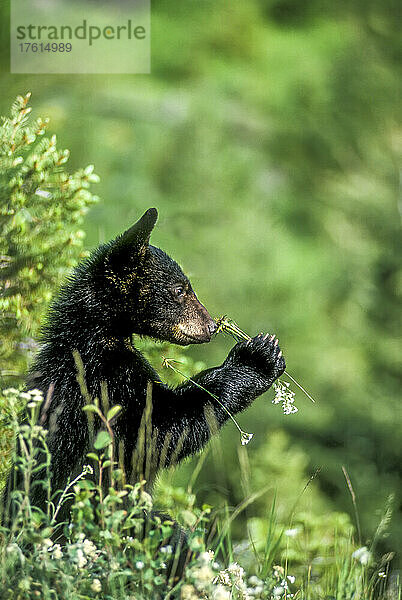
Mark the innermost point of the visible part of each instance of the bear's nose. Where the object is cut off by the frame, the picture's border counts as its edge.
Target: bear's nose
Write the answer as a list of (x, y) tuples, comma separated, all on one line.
[(212, 327)]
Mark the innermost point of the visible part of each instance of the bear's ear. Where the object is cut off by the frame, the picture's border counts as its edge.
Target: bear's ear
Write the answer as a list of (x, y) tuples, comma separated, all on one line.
[(138, 235), (140, 232), (135, 239)]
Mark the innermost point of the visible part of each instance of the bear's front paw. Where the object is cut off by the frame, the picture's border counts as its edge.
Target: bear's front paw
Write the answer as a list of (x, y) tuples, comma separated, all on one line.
[(261, 353)]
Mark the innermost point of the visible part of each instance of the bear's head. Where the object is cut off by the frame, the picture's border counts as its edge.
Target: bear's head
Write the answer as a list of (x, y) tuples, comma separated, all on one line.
[(149, 293)]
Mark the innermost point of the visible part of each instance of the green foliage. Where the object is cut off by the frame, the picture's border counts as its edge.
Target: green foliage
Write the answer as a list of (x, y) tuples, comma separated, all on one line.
[(115, 547), (41, 208)]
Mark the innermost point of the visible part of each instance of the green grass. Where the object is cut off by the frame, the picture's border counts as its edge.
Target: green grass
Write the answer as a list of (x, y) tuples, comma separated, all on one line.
[(103, 552)]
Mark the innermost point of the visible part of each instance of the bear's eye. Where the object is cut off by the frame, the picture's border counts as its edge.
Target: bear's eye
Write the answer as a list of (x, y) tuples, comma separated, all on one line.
[(179, 291)]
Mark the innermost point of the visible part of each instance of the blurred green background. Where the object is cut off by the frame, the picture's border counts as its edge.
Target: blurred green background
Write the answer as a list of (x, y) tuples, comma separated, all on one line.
[(268, 136)]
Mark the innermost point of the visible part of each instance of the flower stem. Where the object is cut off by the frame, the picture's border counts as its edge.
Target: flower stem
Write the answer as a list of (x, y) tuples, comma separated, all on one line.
[(244, 436)]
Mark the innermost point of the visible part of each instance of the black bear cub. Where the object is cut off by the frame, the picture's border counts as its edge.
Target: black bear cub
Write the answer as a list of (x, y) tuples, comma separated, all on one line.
[(130, 287)]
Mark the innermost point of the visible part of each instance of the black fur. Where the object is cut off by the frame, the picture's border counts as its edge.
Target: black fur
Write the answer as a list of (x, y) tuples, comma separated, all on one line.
[(130, 287)]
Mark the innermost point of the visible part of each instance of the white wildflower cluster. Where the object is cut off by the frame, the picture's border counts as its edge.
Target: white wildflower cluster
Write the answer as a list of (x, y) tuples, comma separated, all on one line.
[(96, 585), (275, 587), (47, 549), (205, 581), (286, 396), (201, 580), (80, 559), (26, 395), (87, 470), (83, 551), (89, 549), (202, 573), (293, 532), (54, 550), (245, 437), (233, 577), (281, 588), (221, 593), (255, 587), (188, 592), (362, 555), (32, 397)]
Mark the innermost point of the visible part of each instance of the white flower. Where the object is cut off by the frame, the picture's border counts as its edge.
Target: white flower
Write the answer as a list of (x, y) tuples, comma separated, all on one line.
[(245, 438), (220, 593), (292, 532), (139, 565), (205, 557), (223, 577), (289, 409), (291, 578), (204, 574), (362, 555), (36, 392), (57, 552), (96, 586), (286, 396), (89, 548), (80, 559), (278, 591), (236, 570), (284, 584), (188, 592)]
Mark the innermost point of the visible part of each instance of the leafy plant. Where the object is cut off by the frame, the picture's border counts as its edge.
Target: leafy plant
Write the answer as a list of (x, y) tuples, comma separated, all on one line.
[(114, 546), (41, 209)]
